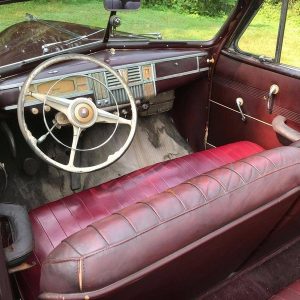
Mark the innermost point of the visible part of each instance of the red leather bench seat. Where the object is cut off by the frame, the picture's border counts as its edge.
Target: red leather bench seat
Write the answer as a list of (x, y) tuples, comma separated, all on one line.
[(292, 292), (211, 223), (54, 222), (57, 220)]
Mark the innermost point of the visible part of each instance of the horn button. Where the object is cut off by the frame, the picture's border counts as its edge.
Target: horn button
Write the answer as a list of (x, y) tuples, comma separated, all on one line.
[(82, 112)]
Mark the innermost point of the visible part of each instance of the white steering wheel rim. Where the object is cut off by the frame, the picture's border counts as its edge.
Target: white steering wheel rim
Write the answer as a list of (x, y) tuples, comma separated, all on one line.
[(31, 140)]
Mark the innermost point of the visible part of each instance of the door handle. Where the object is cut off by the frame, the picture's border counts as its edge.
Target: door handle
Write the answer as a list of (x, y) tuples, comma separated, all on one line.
[(240, 102), (274, 90)]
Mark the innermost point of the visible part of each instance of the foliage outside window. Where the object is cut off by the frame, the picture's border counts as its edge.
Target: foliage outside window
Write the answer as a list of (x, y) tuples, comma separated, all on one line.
[(184, 19), (291, 43), (260, 37), (174, 19)]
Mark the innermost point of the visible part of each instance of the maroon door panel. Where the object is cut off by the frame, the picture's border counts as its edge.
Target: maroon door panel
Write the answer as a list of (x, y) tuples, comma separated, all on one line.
[(226, 127), (233, 79)]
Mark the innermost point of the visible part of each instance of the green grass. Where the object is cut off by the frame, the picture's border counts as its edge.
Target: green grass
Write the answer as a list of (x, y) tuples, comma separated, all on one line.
[(259, 39), (261, 36), (170, 24)]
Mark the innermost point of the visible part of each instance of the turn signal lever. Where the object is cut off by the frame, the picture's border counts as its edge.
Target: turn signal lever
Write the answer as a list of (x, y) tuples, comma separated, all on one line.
[(274, 90)]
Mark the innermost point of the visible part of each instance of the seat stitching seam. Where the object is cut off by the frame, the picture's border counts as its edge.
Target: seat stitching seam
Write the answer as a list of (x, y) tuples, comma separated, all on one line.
[(128, 178), (65, 204), (78, 197), (268, 159), (252, 167), (192, 167), (164, 181), (57, 220), (180, 165), (95, 192), (152, 208), (237, 173), (180, 214), (126, 219), (218, 157), (148, 180), (101, 235), (140, 234), (34, 253), (70, 245), (170, 191), (79, 273), (37, 219), (134, 180), (212, 177), (197, 188)]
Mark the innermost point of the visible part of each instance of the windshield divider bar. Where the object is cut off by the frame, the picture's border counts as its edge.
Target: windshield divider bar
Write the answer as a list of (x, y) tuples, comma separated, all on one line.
[(108, 27), (281, 30)]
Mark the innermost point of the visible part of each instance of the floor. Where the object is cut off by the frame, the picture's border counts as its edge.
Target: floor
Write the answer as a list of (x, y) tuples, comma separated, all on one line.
[(156, 140)]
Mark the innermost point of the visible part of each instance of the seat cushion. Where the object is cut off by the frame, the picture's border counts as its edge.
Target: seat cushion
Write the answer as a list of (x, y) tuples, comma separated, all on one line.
[(56, 221), (292, 292)]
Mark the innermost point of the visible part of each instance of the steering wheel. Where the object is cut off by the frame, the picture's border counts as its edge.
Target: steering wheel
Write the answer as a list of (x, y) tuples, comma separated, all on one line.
[(81, 113)]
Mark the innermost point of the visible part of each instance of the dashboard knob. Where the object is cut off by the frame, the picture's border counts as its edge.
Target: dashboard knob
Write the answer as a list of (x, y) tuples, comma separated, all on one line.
[(210, 61), (35, 111)]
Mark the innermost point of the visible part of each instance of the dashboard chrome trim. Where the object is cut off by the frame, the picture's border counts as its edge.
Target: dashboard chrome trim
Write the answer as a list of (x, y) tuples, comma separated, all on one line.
[(16, 85), (151, 63), (182, 74)]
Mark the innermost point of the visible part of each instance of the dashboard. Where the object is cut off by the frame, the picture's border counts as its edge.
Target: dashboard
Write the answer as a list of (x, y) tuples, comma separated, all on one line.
[(151, 75)]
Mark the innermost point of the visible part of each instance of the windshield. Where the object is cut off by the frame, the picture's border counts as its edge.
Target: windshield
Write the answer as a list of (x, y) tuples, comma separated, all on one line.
[(38, 28), (32, 29)]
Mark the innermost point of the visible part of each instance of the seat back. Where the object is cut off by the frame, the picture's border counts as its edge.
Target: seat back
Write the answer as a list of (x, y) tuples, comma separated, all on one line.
[(180, 241)]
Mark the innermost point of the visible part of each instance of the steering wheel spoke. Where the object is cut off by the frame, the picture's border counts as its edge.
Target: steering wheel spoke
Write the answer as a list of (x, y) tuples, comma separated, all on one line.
[(58, 103), (76, 135), (107, 117)]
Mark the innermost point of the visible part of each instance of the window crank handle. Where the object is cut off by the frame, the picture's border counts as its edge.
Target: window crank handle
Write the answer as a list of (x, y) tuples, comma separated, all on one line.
[(274, 90), (240, 103)]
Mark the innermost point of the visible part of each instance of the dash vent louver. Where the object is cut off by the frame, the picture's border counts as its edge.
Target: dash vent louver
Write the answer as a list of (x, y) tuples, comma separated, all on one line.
[(112, 81), (134, 75)]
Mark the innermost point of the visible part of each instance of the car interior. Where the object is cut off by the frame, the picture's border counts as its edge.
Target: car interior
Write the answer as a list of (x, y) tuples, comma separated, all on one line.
[(151, 169)]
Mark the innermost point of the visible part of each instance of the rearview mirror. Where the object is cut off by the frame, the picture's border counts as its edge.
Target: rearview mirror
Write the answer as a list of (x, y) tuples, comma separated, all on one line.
[(115, 5)]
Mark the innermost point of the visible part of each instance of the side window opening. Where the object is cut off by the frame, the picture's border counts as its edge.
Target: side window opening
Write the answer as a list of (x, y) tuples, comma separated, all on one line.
[(273, 35), (260, 37)]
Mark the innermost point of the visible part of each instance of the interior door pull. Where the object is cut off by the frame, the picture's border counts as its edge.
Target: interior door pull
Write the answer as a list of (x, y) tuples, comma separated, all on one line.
[(274, 90), (284, 130), (240, 103)]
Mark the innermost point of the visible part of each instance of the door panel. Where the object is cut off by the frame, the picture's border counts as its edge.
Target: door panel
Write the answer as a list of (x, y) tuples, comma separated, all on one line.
[(234, 129), (234, 78)]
